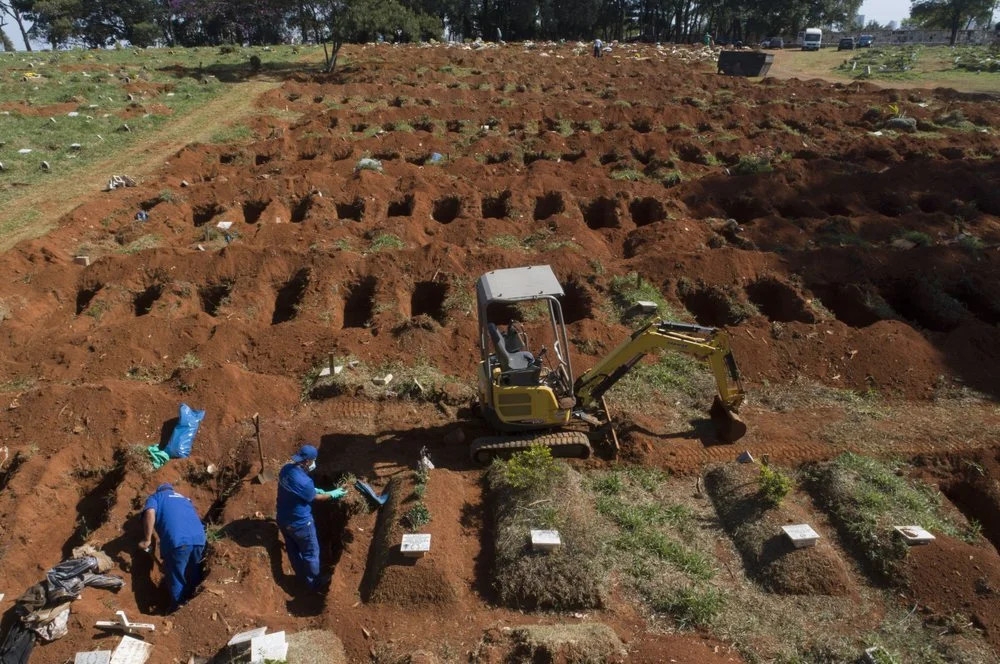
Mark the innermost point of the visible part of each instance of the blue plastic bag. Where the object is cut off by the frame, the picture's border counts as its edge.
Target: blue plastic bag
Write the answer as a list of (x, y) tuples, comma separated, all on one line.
[(182, 439)]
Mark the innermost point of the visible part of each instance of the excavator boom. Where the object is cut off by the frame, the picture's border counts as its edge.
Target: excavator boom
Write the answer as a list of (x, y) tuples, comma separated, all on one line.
[(705, 343)]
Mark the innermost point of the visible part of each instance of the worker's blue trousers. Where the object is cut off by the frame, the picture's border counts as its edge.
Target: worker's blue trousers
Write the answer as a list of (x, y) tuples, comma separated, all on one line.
[(303, 551), (182, 566)]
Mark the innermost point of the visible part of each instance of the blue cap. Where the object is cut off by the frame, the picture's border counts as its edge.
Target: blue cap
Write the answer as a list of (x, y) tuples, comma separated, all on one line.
[(306, 453), (165, 487)]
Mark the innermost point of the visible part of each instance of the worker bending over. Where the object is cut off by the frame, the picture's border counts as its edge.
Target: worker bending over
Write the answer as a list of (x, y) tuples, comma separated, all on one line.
[(182, 541), (296, 492)]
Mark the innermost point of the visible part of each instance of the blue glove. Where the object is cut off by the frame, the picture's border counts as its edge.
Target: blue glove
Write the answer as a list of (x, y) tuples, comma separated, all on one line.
[(337, 493), (320, 492)]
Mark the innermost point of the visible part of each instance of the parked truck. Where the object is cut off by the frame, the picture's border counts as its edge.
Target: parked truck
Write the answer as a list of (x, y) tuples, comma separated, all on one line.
[(812, 39)]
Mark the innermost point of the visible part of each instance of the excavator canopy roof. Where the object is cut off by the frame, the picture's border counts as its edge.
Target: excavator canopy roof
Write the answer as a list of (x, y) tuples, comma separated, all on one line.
[(517, 283)]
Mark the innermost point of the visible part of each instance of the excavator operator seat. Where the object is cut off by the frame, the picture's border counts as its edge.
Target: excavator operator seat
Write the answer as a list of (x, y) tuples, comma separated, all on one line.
[(518, 367)]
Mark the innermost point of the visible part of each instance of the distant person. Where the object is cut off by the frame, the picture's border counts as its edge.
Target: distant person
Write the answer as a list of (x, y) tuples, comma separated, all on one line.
[(598, 48), (708, 39), (182, 541), (296, 493)]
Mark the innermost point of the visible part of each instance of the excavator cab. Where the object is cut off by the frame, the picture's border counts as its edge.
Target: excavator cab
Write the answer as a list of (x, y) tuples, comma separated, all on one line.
[(523, 386)]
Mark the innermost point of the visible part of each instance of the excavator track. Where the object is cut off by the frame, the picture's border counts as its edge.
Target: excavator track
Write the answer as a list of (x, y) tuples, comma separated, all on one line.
[(565, 444)]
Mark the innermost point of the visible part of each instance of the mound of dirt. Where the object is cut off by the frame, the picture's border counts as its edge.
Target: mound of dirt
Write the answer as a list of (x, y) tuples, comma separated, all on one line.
[(957, 582), (755, 526), (391, 577), (583, 643)]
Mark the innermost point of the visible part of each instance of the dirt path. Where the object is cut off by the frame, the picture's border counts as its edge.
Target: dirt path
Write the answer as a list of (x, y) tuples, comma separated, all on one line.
[(138, 160)]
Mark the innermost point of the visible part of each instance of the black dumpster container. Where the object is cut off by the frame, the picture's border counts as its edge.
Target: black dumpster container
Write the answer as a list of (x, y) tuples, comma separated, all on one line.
[(745, 63)]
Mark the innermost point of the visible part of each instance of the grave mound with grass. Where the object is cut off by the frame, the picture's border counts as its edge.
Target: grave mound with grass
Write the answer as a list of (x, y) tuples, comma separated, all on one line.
[(753, 517), (867, 497), (650, 543), (533, 491)]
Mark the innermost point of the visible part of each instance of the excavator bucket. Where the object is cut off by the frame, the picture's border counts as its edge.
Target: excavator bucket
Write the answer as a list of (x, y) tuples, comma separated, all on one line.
[(728, 425)]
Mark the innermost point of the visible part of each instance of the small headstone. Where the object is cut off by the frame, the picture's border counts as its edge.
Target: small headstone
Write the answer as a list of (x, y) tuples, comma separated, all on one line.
[(415, 545), (73, 114), (325, 371), (382, 380), (268, 648), (545, 540), (76, 147), (914, 534), (801, 535), (82, 260), (337, 369), (224, 225), (45, 166), (24, 151), (131, 651), (93, 657)]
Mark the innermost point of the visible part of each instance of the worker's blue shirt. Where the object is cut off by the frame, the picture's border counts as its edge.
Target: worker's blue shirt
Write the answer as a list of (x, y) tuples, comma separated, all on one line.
[(296, 491), (177, 522)]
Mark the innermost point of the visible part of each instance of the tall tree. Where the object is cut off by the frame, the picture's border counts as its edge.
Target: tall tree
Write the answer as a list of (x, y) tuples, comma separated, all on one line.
[(8, 8), (951, 14)]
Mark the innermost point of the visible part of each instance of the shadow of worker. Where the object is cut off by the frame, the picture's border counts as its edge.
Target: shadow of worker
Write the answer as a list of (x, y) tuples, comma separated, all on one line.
[(150, 597)]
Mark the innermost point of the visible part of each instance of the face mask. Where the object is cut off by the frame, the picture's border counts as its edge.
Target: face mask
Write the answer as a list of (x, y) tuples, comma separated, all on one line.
[(312, 466)]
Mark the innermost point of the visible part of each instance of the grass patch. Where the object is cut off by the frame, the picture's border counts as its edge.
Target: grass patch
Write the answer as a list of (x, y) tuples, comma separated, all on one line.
[(551, 497), (751, 164), (866, 497), (647, 543), (237, 133), (384, 241), (628, 289)]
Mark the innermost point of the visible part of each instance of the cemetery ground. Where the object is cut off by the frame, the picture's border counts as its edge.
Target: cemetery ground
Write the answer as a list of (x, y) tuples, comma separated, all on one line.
[(846, 235)]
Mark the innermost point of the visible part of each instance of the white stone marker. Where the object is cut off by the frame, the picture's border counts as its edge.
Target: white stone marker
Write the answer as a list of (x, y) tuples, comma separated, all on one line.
[(801, 535), (914, 534), (131, 651), (269, 647), (415, 545), (545, 540), (93, 657), (245, 637)]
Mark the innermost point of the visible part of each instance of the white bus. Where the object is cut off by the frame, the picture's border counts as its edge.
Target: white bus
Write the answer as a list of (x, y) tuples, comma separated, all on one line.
[(812, 39)]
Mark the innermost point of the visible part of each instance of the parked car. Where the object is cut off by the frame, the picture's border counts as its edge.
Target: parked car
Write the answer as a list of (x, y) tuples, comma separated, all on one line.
[(846, 44), (866, 41), (776, 42)]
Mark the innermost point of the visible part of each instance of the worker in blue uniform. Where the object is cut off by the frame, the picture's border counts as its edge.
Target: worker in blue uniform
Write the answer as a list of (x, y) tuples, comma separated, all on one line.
[(296, 493), (182, 541)]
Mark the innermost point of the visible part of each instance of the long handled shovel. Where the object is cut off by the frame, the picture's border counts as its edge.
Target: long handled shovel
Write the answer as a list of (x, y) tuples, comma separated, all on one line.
[(265, 475)]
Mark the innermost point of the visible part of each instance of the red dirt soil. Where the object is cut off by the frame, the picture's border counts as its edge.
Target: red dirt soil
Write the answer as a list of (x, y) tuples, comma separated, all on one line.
[(95, 359), (955, 580)]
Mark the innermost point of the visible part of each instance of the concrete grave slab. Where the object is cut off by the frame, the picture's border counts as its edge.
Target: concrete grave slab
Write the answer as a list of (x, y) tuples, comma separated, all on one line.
[(914, 534), (801, 535), (545, 540), (269, 647), (415, 545), (131, 651), (93, 657)]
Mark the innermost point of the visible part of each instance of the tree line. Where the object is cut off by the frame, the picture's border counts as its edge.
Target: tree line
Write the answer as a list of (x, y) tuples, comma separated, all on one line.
[(100, 23)]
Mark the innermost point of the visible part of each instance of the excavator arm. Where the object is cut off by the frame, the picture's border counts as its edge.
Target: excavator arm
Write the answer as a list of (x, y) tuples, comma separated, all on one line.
[(705, 343)]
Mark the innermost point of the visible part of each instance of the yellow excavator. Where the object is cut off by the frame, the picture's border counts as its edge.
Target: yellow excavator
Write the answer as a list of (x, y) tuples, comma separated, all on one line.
[(532, 398)]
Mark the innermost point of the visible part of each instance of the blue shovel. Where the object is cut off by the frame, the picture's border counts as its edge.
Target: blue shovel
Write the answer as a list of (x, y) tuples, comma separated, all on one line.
[(370, 492)]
